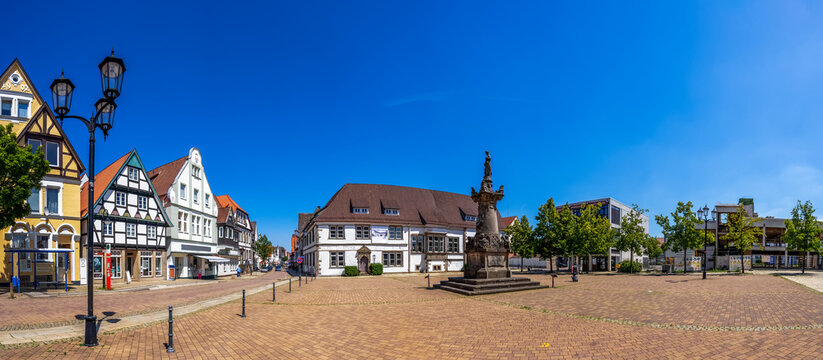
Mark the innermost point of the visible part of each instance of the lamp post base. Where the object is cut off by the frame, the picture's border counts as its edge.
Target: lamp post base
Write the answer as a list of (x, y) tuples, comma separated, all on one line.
[(91, 331)]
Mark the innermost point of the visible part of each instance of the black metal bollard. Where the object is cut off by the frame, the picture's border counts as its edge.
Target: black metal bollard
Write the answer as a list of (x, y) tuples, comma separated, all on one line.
[(244, 303), (289, 285), (272, 292), (300, 279), (170, 348)]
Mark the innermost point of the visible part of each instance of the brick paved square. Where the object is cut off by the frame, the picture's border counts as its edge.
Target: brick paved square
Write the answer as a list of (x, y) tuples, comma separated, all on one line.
[(603, 316)]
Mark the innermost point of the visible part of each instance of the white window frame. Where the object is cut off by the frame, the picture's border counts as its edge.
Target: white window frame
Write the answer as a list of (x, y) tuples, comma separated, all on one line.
[(195, 195), (151, 232), (45, 204), (182, 191), (108, 228), (136, 174), (46, 153), (142, 202), (206, 199), (28, 108), (117, 198), (39, 207), (131, 230), (359, 210), (392, 212), (42, 257)]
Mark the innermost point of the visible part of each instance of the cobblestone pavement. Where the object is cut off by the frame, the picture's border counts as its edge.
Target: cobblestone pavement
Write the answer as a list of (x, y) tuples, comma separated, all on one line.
[(686, 300), (26, 312), (397, 317)]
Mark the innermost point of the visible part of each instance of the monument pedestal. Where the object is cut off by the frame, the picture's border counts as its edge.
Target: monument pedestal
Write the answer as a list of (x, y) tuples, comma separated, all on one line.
[(464, 286)]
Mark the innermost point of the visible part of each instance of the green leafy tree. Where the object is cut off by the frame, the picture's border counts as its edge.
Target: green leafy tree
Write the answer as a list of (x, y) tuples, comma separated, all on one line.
[(594, 232), (803, 231), (522, 238), (681, 230), (263, 247), (550, 233), (567, 228), (632, 235), (651, 247), (20, 172), (742, 232)]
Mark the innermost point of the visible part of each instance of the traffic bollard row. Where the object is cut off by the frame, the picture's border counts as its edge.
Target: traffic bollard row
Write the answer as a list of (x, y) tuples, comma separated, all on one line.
[(170, 348), (244, 303)]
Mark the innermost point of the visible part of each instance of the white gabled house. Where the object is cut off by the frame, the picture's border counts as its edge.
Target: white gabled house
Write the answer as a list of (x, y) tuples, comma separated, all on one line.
[(188, 199)]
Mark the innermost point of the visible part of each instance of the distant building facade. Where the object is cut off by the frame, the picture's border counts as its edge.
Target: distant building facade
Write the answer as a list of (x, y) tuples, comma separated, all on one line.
[(614, 211), (406, 229), (240, 229), (770, 252)]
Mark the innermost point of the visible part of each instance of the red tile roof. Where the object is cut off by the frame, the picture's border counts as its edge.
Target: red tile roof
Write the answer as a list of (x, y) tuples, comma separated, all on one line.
[(507, 221), (226, 201), (163, 176), (101, 182)]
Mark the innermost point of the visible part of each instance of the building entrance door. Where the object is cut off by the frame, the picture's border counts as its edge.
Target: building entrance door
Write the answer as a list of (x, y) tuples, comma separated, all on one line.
[(130, 265), (364, 264)]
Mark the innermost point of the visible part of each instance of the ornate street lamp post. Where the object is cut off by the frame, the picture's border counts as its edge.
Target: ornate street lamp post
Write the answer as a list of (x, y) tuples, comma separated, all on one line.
[(111, 77), (703, 214)]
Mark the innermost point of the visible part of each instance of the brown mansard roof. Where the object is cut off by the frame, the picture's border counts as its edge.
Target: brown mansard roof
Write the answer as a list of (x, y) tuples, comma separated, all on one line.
[(416, 207)]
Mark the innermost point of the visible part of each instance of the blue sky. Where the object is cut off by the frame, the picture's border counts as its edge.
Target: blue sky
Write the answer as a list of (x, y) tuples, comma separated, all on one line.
[(647, 102)]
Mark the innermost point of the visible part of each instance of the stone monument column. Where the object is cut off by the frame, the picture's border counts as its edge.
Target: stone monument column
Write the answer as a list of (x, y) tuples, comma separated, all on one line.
[(487, 256)]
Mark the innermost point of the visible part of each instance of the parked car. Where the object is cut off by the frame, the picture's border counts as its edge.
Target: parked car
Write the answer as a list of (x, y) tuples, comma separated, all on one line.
[(278, 267)]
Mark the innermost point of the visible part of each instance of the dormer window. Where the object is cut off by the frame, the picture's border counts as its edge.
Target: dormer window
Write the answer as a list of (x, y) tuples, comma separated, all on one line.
[(195, 172), (360, 210), (470, 218), (391, 212)]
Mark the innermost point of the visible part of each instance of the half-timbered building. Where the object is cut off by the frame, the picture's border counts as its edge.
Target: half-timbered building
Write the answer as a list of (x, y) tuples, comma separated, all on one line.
[(185, 193), (238, 228), (130, 219), (28, 247)]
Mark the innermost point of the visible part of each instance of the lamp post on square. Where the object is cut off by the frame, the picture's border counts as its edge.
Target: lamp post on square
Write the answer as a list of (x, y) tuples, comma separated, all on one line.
[(111, 79), (703, 214)]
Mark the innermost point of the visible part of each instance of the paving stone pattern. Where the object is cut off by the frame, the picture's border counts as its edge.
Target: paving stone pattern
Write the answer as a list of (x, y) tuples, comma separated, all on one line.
[(397, 317), (24, 312)]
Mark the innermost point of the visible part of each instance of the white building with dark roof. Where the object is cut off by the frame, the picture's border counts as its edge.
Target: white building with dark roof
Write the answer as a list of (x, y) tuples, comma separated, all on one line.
[(406, 229)]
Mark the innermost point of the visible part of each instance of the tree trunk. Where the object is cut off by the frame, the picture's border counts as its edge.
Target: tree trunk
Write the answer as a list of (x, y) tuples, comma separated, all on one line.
[(521, 263), (804, 263), (685, 268), (631, 262)]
